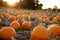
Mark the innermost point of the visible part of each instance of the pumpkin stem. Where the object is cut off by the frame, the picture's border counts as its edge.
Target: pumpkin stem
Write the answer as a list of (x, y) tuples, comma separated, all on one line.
[(12, 38)]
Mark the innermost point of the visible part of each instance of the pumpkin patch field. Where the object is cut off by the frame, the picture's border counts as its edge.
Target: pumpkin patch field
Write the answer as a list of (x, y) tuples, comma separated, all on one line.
[(24, 24)]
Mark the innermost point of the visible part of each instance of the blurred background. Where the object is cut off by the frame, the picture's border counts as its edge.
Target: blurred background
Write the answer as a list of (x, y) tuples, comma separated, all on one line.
[(31, 4)]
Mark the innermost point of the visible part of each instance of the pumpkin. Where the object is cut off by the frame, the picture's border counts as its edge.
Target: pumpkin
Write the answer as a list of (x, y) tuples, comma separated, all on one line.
[(56, 18), (12, 17), (45, 18), (39, 33), (6, 15), (7, 33), (15, 24), (19, 16), (54, 30), (26, 25)]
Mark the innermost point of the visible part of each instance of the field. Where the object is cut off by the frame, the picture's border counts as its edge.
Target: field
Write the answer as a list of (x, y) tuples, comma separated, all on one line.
[(35, 17)]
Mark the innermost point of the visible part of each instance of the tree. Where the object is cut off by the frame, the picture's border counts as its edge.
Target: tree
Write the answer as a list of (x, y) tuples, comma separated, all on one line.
[(1, 3), (37, 5), (29, 4), (55, 8)]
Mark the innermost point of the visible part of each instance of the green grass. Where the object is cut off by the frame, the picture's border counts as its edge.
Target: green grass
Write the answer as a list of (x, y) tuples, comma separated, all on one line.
[(19, 30)]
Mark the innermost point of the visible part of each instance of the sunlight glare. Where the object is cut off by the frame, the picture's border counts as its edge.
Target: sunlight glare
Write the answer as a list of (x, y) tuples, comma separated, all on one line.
[(11, 2)]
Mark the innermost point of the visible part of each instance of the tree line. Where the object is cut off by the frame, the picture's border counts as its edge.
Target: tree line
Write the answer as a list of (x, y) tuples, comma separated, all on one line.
[(27, 4)]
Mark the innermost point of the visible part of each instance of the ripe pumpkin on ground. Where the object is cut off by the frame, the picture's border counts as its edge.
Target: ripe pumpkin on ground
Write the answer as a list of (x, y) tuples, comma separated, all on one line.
[(39, 33), (56, 18), (12, 17), (26, 25), (6, 15), (15, 24), (19, 16), (54, 30), (45, 18), (7, 33)]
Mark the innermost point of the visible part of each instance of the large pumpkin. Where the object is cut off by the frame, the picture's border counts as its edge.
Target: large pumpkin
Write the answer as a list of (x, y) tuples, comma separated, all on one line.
[(54, 30), (26, 25), (15, 25), (7, 33), (12, 17), (39, 33)]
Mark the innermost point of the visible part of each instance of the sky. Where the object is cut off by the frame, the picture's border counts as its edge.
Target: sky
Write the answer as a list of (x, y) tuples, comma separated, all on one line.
[(11, 2), (50, 3)]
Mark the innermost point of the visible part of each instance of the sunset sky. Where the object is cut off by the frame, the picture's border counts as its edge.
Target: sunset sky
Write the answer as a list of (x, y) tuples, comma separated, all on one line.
[(50, 3), (11, 2)]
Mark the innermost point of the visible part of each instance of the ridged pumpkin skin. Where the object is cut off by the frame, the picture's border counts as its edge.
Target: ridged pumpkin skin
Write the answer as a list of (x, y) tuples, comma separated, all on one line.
[(26, 25), (7, 33), (54, 30), (39, 33), (12, 18), (15, 24)]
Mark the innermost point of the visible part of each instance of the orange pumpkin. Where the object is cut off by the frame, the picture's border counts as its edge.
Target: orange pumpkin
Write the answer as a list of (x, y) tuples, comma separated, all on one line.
[(54, 30), (19, 16), (26, 25), (12, 18), (6, 15), (46, 17), (39, 33), (15, 25), (57, 18), (7, 33)]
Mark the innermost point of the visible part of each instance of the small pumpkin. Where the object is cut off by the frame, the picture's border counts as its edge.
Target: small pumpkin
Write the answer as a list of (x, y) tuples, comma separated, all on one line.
[(56, 18), (12, 17), (45, 18), (19, 16), (26, 25), (6, 15), (15, 24), (7, 33)]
